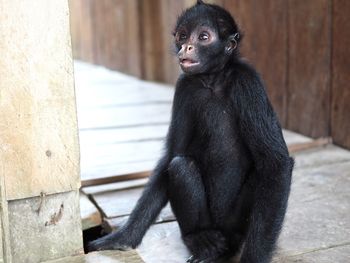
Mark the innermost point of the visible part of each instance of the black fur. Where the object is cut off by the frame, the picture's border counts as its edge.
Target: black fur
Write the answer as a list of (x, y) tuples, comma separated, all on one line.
[(226, 169)]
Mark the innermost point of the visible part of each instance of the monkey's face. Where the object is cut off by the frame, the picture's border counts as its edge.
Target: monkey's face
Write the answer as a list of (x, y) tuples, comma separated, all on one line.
[(199, 48), (203, 38)]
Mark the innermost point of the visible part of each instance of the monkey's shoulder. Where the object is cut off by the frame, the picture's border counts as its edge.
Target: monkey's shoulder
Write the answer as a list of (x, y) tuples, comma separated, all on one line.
[(243, 72), (246, 81)]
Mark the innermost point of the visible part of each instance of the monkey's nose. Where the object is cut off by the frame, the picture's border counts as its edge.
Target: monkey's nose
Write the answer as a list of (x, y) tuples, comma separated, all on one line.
[(190, 48)]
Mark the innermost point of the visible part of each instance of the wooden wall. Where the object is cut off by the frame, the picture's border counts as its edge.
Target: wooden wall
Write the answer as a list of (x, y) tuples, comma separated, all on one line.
[(290, 44), (340, 96), (300, 48), (107, 32)]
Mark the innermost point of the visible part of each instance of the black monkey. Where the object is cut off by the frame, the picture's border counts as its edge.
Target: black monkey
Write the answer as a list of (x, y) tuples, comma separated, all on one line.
[(226, 169)]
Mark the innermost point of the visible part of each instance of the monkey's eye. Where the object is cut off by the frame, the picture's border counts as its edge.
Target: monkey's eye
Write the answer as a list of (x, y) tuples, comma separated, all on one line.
[(203, 36), (181, 36)]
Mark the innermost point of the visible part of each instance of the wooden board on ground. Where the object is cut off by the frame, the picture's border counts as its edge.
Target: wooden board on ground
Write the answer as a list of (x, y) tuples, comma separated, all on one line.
[(132, 152), (317, 222), (318, 211), (99, 87), (113, 160), (322, 255), (163, 243), (294, 138), (128, 116), (321, 156), (102, 159), (117, 178), (115, 186), (123, 122), (111, 224), (102, 137), (103, 257), (90, 216), (121, 202)]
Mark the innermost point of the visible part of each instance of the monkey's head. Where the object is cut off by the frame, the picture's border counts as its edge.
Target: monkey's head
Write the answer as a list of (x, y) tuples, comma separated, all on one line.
[(206, 38)]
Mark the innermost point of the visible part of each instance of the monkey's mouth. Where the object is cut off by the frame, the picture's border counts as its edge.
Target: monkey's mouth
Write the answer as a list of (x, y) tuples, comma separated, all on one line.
[(186, 62)]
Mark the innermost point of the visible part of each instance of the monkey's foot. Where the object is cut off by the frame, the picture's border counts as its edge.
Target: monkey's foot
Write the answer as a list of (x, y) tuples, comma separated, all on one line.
[(206, 246), (113, 241)]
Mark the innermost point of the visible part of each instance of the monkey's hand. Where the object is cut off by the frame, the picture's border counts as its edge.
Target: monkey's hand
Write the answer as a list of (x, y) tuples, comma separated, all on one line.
[(114, 241)]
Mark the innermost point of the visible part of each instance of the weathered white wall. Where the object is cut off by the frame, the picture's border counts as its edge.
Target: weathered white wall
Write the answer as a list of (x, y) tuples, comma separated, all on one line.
[(38, 126), (39, 151)]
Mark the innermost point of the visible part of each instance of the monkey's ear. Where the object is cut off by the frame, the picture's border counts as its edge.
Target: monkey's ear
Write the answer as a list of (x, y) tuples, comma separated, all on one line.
[(232, 43), (234, 40), (200, 2)]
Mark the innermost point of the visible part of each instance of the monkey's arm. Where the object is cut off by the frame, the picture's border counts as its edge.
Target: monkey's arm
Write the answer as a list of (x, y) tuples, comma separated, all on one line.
[(153, 199), (262, 134), (155, 194)]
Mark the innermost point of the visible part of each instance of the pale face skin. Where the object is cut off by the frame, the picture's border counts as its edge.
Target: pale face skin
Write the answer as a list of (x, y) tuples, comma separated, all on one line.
[(188, 55), (195, 48)]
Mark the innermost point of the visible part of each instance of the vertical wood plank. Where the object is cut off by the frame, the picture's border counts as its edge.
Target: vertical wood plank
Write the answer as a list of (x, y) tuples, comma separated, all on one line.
[(264, 25), (106, 32), (100, 27), (81, 29), (309, 67), (158, 20), (340, 73), (168, 18), (132, 49), (153, 43)]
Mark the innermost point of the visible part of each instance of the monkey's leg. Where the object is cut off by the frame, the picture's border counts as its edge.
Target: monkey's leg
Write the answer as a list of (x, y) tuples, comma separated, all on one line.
[(189, 202)]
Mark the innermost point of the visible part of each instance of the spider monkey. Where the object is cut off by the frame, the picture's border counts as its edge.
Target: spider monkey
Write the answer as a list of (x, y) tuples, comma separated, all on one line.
[(226, 169)]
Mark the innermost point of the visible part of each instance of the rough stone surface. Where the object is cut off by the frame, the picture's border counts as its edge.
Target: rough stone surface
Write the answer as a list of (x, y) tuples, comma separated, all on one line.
[(44, 229)]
